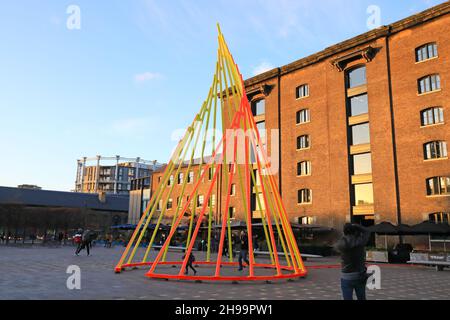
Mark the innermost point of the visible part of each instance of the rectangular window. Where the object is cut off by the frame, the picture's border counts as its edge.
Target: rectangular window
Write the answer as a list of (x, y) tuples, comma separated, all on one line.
[(180, 178), (259, 107), (362, 164), (233, 190), (302, 116), (302, 91), (169, 204), (231, 212), (356, 77), (261, 126), (303, 142), (360, 134), (306, 220), (170, 182), (190, 177), (359, 105), (304, 196), (304, 168), (211, 173), (200, 200), (363, 194)]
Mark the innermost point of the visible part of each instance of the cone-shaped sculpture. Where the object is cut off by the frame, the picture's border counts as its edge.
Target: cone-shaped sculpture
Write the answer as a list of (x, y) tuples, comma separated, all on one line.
[(237, 164)]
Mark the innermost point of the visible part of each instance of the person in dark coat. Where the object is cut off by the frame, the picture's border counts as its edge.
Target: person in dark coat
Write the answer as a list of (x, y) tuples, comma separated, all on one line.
[(243, 254), (86, 241), (189, 264), (353, 261)]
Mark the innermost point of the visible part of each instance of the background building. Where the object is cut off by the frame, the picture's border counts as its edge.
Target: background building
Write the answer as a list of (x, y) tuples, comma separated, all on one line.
[(27, 213), (111, 175)]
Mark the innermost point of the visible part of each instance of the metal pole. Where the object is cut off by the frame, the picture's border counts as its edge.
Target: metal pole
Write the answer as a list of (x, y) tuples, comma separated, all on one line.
[(97, 174), (78, 178), (82, 174), (116, 174)]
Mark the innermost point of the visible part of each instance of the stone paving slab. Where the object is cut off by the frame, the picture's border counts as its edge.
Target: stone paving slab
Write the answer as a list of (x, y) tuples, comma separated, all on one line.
[(40, 273)]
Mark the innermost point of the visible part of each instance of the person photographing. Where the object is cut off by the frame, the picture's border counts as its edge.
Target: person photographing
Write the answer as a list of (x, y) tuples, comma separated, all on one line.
[(353, 261)]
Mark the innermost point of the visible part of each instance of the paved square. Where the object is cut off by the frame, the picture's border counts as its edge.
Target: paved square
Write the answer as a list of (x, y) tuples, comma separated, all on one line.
[(40, 273)]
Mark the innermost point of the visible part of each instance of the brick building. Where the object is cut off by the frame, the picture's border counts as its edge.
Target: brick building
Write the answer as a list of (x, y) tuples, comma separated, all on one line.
[(363, 127)]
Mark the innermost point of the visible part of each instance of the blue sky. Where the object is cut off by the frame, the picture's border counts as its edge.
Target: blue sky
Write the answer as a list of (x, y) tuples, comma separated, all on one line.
[(139, 69)]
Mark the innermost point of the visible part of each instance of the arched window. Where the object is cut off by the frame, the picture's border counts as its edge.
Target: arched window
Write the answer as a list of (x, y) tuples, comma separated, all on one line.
[(302, 91), (429, 83), (438, 186), (435, 150), (427, 51), (439, 217), (302, 116), (430, 116)]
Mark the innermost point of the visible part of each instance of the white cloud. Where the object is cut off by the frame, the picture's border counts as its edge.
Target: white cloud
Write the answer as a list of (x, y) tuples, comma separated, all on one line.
[(262, 67), (146, 76)]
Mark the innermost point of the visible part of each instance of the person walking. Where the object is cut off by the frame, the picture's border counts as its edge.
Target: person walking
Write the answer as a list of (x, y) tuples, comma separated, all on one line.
[(77, 239), (108, 241), (189, 264), (353, 261), (86, 242), (243, 254)]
